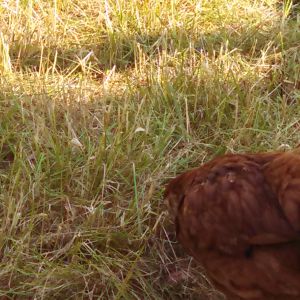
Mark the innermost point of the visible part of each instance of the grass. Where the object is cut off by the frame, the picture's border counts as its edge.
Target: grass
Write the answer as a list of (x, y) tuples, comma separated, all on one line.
[(101, 102)]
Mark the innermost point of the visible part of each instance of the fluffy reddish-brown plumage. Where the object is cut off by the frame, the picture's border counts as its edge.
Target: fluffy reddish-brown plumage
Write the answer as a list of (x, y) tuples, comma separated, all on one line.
[(239, 216)]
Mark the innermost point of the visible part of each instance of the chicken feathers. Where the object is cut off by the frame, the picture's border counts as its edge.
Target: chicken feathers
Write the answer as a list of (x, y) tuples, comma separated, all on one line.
[(239, 216)]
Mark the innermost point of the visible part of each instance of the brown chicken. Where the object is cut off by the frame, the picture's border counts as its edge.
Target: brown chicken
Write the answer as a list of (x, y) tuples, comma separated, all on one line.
[(239, 216)]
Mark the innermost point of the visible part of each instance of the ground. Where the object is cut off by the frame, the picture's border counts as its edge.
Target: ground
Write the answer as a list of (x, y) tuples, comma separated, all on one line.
[(101, 103)]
